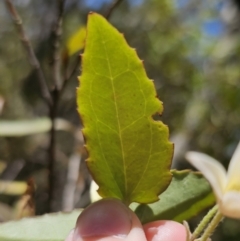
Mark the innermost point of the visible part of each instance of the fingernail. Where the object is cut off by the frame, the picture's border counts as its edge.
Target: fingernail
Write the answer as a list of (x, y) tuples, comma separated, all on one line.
[(107, 217)]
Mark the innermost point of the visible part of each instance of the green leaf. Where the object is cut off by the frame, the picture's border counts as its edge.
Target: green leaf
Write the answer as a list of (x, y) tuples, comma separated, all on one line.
[(129, 152), (50, 227), (188, 194), (76, 42), (12, 187)]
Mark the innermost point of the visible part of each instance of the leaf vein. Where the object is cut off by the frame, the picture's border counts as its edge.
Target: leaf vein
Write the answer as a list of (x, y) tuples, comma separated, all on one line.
[(116, 109), (99, 140)]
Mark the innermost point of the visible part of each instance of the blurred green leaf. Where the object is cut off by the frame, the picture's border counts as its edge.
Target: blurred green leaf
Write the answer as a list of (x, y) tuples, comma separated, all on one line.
[(130, 155), (29, 127), (12, 187), (188, 194), (50, 227), (76, 42), (2, 102), (2, 166)]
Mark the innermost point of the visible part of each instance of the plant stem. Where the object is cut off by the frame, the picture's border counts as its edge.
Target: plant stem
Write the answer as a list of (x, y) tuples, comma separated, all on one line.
[(52, 154), (111, 9), (30, 52), (212, 226), (69, 74), (57, 34), (204, 222)]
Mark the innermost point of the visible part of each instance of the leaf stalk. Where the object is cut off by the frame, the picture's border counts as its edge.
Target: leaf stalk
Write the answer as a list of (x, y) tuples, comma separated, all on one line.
[(204, 222), (212, 226)]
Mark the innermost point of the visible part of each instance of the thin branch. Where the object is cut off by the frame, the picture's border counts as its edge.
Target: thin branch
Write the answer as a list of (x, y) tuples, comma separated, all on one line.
[(29, 49), (73, 70), (52, 153), (69, 74), (111, 9), (52, 98), (57, 33)]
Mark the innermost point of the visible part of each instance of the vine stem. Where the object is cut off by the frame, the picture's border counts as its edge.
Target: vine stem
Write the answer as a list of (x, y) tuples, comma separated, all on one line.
[(204, 222), (212, 226)]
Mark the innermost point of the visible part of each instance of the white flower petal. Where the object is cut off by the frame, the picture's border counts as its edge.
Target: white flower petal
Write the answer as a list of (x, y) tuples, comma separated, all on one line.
[(94, 196), (233, 175), (213, 170), (230, 205)]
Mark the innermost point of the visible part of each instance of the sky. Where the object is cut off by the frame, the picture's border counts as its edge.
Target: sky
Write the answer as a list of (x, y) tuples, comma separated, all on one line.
[(96, 4), (210, 27)]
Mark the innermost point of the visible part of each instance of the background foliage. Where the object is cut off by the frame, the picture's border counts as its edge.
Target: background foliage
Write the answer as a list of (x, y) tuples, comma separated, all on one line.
[(191, 50)]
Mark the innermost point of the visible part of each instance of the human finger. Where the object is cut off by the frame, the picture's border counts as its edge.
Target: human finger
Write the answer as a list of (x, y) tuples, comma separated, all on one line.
[(107, 220), (165, 230)]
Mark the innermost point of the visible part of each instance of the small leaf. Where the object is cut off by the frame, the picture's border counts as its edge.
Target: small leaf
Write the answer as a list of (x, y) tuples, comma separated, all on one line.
[(129, 152), (3, 166), (76, 42), (25, 206), (49, 227), (2, 102), (12, 187), (188, 194)]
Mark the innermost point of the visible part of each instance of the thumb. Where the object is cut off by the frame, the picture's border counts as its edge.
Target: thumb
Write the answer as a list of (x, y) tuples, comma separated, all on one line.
[(107, 220)]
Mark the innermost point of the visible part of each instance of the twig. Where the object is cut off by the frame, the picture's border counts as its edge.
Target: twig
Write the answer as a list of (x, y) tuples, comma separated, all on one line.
[(52, 98), (112, 7), (52, 155), (73, 70), (69, 74), (29, 49), (57, 33)]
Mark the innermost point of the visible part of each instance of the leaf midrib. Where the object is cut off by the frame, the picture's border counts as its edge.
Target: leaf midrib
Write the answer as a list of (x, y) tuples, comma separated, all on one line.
[(117, 114)]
